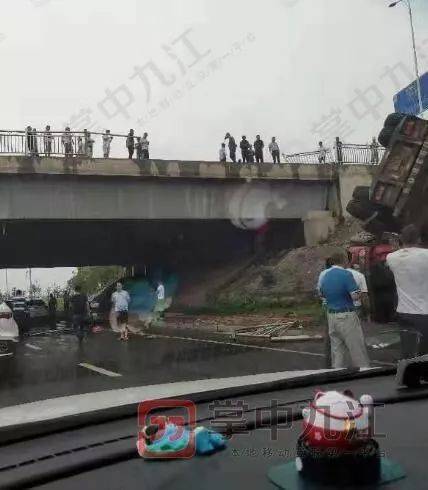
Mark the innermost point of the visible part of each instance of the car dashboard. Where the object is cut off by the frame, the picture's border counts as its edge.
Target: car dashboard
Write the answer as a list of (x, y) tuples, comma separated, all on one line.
[(101, 452)]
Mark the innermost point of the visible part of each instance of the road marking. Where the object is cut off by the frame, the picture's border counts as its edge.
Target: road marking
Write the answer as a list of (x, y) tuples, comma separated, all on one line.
[(236, 344), (384, 363), (100, 370), (32, 346)]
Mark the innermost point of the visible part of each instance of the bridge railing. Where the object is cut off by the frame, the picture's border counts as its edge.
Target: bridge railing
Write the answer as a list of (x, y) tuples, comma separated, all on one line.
[(310, 157), (83, 144), (53, 143), (345, 153)]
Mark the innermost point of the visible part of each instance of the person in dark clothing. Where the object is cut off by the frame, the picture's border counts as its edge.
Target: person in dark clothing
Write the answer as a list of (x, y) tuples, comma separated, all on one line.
[(383, 293), (130, 143), (245, 146), (79, 310), (52, 305), (139, 148), (30, 141), (232, 146), (258, 149), (250, 155), (35, 145), (66, 303)]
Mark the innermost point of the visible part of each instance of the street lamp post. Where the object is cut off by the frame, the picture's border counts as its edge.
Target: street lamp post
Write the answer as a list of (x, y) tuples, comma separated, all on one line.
[(415, 54)]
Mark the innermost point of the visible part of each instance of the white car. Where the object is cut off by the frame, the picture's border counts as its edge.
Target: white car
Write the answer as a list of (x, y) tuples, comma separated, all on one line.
[(9, 333)]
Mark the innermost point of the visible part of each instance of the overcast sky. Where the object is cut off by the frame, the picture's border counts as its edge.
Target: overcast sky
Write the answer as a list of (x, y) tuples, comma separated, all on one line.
[(188, 71)]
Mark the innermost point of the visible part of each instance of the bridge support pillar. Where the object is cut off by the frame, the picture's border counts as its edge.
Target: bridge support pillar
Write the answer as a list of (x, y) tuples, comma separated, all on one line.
[(317, 226)]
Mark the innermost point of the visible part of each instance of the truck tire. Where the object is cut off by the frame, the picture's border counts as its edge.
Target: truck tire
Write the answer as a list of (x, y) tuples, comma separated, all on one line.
[(394, 119), (361, 193), (360, 209), (376, 227), (385, 136)]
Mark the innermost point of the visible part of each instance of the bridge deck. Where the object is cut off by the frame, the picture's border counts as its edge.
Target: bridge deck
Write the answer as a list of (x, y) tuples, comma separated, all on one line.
[(11, 165)]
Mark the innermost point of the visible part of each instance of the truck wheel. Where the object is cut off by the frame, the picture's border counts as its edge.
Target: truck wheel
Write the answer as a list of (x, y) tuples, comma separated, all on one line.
[(376, 227), (360, 209), (394, 119), (385, 136), (361, 193)]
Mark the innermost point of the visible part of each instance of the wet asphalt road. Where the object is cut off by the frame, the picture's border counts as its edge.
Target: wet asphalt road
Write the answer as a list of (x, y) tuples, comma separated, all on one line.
[(48, 363), (52, 362)]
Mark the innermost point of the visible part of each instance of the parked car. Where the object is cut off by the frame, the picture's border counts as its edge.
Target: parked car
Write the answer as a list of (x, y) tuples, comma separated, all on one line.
[(9, 333), (37, 309), (18, 305)]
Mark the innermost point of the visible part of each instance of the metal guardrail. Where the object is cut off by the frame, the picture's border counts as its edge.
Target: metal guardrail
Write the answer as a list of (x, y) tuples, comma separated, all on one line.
[(346, 154), (52, 143), (82, 144)]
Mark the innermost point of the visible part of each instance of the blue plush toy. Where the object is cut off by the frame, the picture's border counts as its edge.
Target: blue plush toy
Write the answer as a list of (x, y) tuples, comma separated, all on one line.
[(174, 439)]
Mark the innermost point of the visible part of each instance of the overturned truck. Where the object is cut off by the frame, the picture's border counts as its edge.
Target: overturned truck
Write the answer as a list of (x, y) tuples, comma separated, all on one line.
[(399, 192)]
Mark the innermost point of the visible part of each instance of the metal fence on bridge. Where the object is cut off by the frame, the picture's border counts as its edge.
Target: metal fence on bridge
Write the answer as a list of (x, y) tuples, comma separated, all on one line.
[(51, 143), (345, 154), (83, 143)]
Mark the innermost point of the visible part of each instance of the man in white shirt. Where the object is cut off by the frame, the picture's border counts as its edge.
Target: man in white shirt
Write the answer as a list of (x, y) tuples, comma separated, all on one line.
[(121, 299), (274, 150), (160, 299), (145, 146), (410, 268), (361, 304), (107, 139), (322, 152)]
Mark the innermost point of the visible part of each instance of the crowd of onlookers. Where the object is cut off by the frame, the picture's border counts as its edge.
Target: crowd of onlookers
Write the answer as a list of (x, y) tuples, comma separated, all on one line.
[(250, 153), (82, 143)]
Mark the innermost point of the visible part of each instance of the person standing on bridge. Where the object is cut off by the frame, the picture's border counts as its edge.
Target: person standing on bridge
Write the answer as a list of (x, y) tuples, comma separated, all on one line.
[(120, 300), (322, 152), (145, 146), (35, 145), (107, 139), (28, 133), (232, 146), (250, 154), (90, 146), (258, 149), (274, 150), (245, 146), (130, 143), (80, 148), (374, 151), (47, 141), (222, 153), (67, 141), (139, 148)]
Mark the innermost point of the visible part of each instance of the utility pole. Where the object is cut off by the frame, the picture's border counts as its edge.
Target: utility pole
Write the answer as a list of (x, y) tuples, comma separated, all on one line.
[(31, 282), (415, 53)]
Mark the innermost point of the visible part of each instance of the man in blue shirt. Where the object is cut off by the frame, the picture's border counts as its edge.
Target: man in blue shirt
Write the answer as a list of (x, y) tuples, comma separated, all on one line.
[(338, 288)]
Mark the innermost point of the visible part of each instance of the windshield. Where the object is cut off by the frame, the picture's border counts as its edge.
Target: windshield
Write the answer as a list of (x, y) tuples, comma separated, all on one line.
[(174, 191)]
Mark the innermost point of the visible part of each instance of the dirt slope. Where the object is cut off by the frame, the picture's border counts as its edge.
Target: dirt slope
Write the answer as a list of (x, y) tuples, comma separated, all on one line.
[(290, 277)]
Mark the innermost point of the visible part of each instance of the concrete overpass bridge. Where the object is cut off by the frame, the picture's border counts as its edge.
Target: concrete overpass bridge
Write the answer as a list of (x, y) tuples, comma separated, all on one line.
[(79, 211)]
